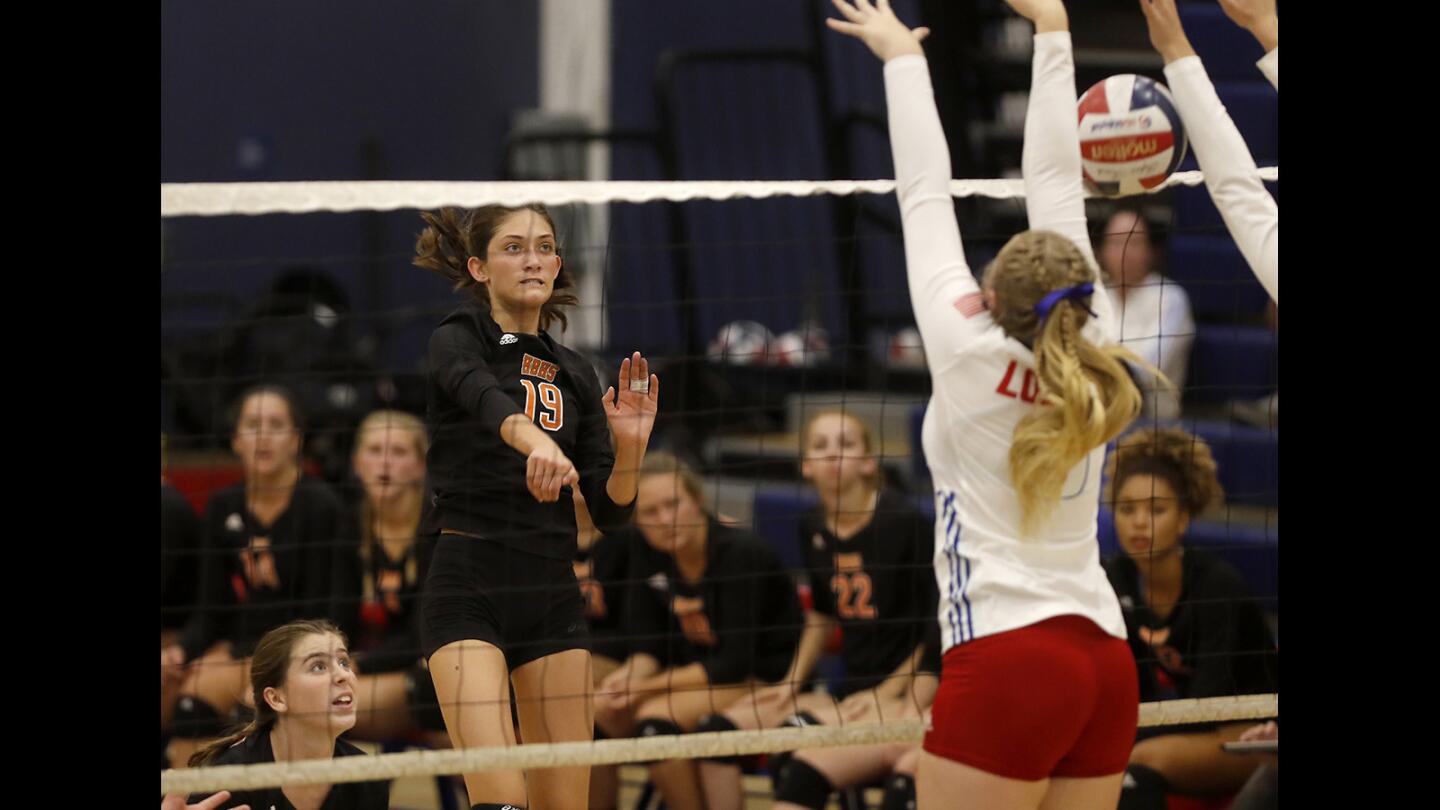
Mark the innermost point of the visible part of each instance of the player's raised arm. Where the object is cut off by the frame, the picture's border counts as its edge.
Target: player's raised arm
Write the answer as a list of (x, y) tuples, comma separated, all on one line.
[(943, 292), (1250, 213), (1259, 18), (1050, 160)]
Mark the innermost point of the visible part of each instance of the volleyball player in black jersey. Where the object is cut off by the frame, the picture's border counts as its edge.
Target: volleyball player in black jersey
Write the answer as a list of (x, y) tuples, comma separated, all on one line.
[(1194, 627), (517, 421), (382, 580), (711, 615), (179, 564), (868, 555), (303, 689), (270, 548), (601, 565)]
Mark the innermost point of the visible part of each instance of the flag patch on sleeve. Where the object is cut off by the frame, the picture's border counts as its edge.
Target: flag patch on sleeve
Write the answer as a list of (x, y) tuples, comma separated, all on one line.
[(971, 304)]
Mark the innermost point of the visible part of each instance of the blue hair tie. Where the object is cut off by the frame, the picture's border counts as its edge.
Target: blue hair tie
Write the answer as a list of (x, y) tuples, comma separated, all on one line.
[(1074, 293)]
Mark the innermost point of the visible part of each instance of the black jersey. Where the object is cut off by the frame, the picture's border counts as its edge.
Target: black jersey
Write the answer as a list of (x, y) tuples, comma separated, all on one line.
[(880, 586), (602, 570), (254, 578), (481, 375), (380, 598), (256, 749), (1214, 643), (741, 620), (179, 557)]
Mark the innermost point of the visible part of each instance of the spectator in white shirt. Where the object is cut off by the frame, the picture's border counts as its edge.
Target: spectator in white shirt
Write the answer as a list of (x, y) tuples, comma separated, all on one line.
[(1152, 312)]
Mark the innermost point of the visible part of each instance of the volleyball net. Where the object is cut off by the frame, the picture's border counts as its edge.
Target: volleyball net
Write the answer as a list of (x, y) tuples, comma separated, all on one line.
[(758, 304)]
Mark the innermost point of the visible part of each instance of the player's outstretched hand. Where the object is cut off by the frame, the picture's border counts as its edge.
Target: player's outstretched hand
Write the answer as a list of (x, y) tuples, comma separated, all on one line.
[(631, 410), (1048, 15), (1257, 17), (177, 802), (1166, 33), (877, 26)]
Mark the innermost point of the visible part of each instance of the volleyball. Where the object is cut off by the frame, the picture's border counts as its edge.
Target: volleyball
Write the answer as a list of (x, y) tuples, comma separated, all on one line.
[(1131, 137)]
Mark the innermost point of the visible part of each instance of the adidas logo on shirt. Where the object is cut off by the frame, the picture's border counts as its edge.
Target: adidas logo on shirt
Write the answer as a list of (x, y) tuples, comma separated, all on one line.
[(507, 339)]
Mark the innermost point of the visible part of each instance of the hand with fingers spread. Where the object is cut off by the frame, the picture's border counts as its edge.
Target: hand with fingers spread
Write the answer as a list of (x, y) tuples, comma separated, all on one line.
[(1257, 17), (631, 410), (1166, 32), (177, 802), (877, 26)]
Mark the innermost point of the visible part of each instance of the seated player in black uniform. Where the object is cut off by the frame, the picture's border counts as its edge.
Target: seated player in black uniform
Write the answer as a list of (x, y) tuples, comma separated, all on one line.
[(517, 422), (869, 554), (711, 615), (270, 545), (381, 580), (179, 566), (304, 693), (601, 565), (1195, 629)]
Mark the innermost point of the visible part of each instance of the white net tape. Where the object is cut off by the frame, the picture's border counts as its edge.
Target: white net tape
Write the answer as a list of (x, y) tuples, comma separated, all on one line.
[(218, 199), (607, 752)]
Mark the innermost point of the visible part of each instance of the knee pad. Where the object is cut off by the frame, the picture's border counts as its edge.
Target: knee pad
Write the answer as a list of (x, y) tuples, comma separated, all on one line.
[(801, 720), (719, 722), (799, 783), (654, 727), (1143, 789), (777, 761), (899, 793), (194, 719), (420, 699)]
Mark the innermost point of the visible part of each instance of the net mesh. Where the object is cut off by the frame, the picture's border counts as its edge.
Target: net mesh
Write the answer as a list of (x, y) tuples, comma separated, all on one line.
[(673, 270)]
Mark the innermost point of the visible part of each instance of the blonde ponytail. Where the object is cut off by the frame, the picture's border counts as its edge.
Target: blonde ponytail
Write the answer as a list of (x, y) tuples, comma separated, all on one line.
[(1086, 395)]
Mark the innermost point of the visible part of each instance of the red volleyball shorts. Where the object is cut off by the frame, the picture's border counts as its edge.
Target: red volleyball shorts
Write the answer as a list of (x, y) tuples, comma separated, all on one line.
[(1056, 698)]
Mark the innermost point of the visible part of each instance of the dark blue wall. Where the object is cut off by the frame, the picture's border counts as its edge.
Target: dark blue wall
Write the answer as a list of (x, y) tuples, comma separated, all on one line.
[(434, 80), (432, 85)]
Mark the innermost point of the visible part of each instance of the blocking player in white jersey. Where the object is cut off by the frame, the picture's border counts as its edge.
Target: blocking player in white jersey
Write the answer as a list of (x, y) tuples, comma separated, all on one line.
[(1250, 213), (1038, 699)]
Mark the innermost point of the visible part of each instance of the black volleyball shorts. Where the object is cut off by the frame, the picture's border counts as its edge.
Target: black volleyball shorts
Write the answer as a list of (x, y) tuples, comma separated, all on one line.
[(527, 605)]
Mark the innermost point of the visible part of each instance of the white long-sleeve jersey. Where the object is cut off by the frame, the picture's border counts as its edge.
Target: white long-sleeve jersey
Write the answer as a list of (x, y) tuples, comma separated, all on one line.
[(1250, 213), (1156, 323), (991, 577)]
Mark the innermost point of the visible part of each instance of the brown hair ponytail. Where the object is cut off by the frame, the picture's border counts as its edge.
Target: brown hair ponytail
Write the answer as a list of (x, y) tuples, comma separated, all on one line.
[(453, 235), (267, 669)]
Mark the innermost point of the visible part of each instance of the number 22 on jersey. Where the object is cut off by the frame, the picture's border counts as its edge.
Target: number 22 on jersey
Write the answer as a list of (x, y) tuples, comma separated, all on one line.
[(551, 404)]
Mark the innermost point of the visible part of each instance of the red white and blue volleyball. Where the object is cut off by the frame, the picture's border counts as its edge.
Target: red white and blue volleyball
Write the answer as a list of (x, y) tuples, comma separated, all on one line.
[(1131, 137)]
